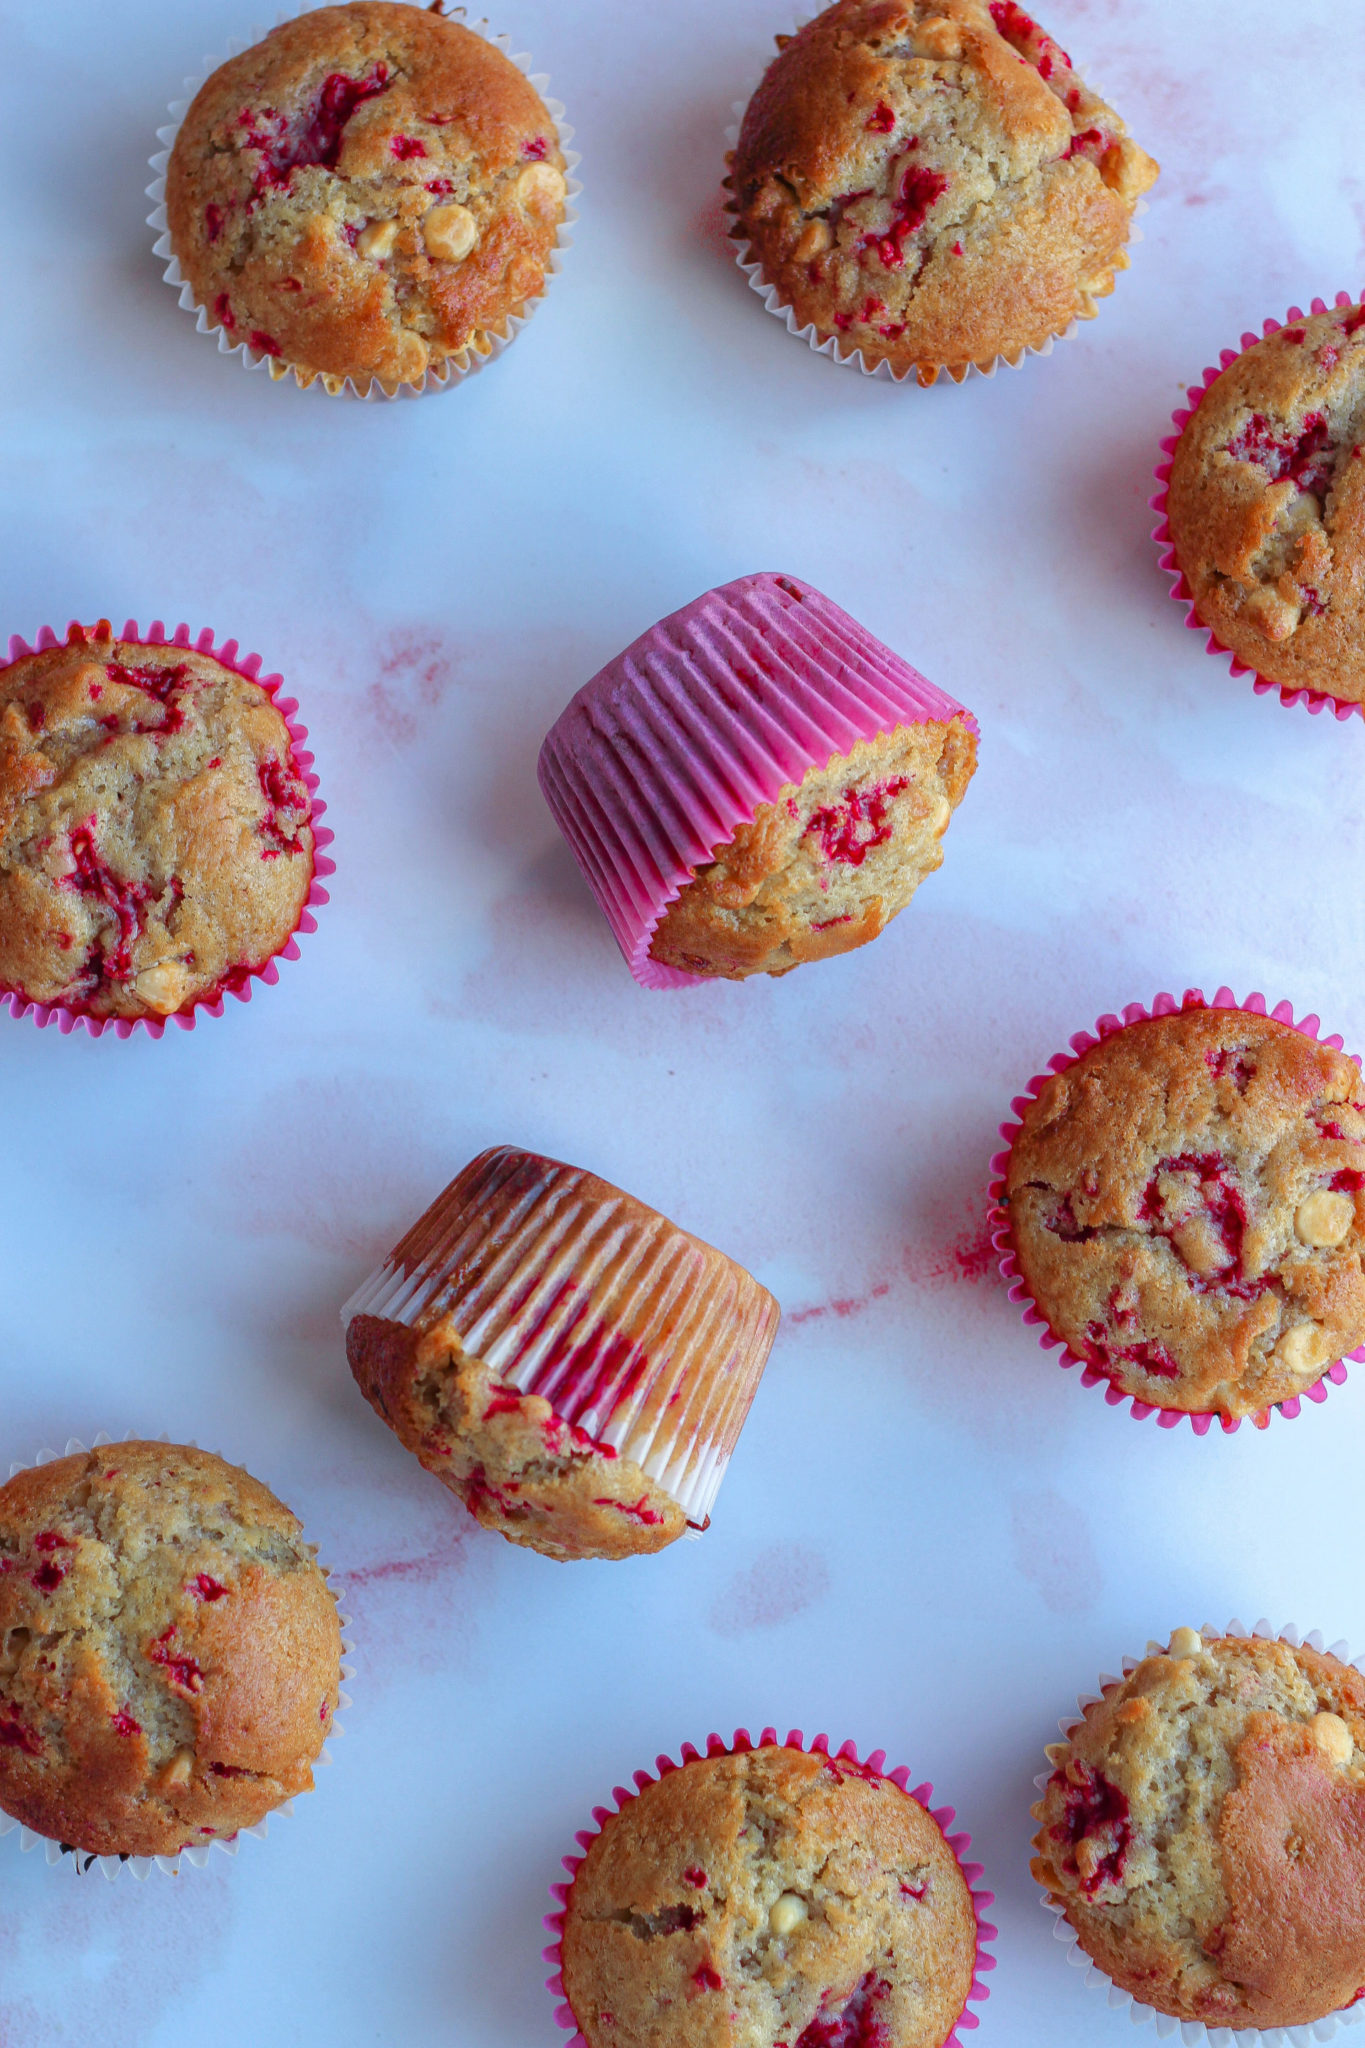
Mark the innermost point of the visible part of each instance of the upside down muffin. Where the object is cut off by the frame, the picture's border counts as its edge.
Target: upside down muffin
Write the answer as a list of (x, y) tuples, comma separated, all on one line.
[(170, 1655), (156, 843), (755, 782), (573, 1366), (367, 193), (775, 1898), (931, 182), (1204, 1831), (1185, 1207), (1266, 505)]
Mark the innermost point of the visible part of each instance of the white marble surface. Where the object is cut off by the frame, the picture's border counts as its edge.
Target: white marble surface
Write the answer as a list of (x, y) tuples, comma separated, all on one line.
[(931, 1537)]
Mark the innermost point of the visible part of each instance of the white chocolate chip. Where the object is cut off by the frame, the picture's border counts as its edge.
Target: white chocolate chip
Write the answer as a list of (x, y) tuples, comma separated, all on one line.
[(1200, 1246), (540, 190), (377, 239), (1186, 1642), (450, 232), (1324, 1219), (180, 1768), (816, 237), (1271, 614), (788, 1912), (1301, 1350), (163, 988), (1333, 1737)]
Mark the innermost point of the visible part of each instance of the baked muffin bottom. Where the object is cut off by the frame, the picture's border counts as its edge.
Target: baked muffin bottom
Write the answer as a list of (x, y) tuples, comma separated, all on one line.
[(1204, 1829), (1266, 505), (519, 1468), (771, 1897), (827, 864)]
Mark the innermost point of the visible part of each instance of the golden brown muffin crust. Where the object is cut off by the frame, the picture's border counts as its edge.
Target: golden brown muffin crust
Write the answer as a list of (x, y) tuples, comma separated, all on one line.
[(169, 1652), (155, 835), (1266, 505), (931, 182), (1204, 1829), (1186, 1207), (369, 190), (827, 864), (773, 1897)]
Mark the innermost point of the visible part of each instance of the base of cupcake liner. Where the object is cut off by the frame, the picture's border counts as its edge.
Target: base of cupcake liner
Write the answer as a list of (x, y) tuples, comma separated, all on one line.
[(1194, 2033), (485, 348), (1165, 1005), (829, 345), (64, 1016), (716, 1745), (1180, 593), (195, 1855)]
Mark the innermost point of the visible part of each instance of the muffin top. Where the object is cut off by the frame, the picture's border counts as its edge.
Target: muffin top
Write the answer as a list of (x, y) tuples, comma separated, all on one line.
[(827, 864), (1266, 505), (368, 191), (1204, 1829), (931, 182), (1185, 1207), (155, 836), (771, 1899), (169, 1651)]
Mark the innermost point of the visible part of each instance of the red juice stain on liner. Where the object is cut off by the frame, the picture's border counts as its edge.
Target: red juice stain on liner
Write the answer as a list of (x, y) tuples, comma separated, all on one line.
[(1094, 1807), (586, 1365)]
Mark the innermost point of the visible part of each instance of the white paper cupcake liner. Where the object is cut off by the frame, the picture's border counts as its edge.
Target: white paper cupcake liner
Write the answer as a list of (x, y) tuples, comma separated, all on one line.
[(443, 376), (1193, 2033), (543, 1313), (830, 345), (197, 1855)]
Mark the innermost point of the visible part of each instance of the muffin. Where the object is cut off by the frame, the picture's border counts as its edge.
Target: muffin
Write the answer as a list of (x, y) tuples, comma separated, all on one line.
[(156, 843), (568, 1362), (1266, 505), (772, 1898), (756, 782), (169, 1652), (930, 183), (1203, 1831), (371, 192), (1184, 1204)]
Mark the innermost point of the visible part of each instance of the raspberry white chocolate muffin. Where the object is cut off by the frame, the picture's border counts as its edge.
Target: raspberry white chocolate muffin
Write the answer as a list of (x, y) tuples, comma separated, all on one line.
[(770, 1899), (929, 181), (155, 838), (367, 193), (169, 1652), (754, 783), (1266, 505), (1185, 1206), (567, 1361), (1204, 1831)]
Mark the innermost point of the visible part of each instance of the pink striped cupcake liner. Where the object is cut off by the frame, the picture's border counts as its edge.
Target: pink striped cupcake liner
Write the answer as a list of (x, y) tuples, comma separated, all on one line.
[(242, 981), (873, 1766), (1165, 1005), (713, 712), (1180, 592), (1191, 2033)]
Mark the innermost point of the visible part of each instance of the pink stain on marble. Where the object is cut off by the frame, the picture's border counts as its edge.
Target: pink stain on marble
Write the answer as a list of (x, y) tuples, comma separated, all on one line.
[(782, 1582), (968, 1257), (843, 1307), (416, 669), (1055, 1551)]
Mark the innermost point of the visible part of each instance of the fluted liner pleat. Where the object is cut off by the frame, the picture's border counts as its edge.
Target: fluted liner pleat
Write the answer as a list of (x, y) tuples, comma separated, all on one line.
[(636, 1331), (712, 713)]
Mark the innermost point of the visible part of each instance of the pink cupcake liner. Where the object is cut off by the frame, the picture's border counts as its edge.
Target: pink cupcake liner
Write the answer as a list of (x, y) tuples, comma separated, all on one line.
[(716, 1745), (1193, 2033), (714, 711), (1164, 1006), (196, 1856), (248, 665), (1180, 592)]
